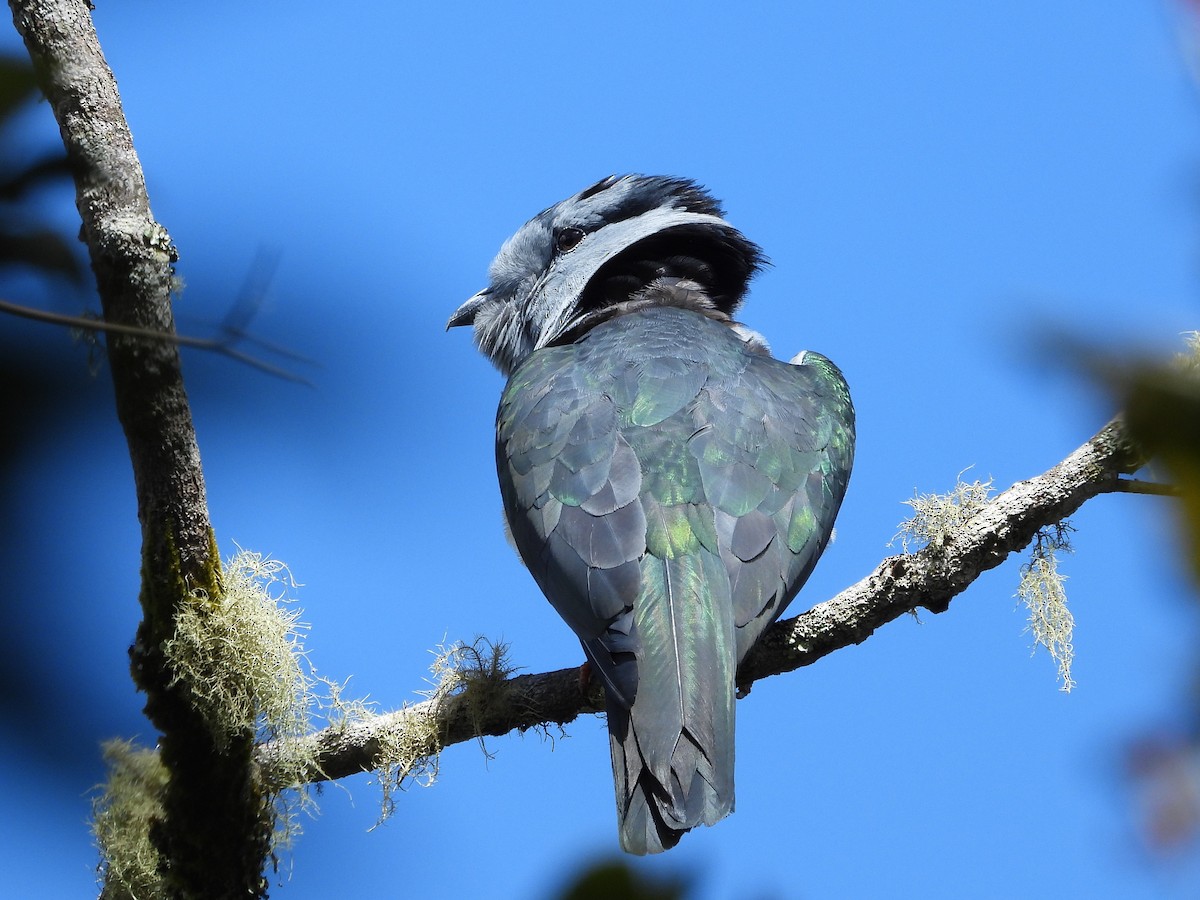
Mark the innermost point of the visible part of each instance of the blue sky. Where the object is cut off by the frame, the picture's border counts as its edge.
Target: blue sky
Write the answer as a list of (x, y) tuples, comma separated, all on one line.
[(943, 189)]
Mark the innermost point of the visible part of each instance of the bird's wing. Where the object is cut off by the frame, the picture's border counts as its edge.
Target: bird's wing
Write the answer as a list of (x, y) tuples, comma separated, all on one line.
[(571, 486), (774, 458)]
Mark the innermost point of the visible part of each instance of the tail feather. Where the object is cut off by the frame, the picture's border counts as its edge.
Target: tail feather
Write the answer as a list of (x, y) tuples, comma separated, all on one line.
[(672, 748), (653, 816)]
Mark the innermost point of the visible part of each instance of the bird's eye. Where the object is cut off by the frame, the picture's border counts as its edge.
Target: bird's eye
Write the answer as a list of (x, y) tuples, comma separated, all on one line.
[(568, 239)]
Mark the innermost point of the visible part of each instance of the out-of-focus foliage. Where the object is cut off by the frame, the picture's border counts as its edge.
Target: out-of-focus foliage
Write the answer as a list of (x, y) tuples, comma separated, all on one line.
[(23, 242), (618, 879), (1162, 407), (40, 387), (1164, 768), (1161, 400)]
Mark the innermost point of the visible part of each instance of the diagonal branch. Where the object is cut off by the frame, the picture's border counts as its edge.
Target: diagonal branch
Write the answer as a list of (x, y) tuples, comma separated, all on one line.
[(934, 576), (930, 578)]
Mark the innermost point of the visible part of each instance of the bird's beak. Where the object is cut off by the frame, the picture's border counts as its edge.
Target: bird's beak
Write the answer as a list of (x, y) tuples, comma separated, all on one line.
[(465, 314)]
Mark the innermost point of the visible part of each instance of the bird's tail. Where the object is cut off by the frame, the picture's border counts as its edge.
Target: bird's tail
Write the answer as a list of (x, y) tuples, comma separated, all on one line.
[(672, 748), (654, 815)]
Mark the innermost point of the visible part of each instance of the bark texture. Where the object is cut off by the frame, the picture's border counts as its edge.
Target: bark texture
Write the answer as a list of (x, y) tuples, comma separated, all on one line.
[(214, 834)]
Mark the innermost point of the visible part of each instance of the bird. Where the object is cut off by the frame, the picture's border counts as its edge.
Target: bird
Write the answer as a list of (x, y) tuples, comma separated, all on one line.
[(668, 483)]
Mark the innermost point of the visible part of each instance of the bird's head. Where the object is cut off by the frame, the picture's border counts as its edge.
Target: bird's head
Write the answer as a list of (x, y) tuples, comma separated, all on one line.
[(622, 244)]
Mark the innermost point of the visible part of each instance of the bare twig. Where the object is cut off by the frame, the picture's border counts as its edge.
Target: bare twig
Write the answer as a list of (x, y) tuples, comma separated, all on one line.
[(1138, 486), (222, 346)]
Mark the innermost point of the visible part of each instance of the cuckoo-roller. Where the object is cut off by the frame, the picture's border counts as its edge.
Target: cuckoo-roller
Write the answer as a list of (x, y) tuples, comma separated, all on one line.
[(668, 483)]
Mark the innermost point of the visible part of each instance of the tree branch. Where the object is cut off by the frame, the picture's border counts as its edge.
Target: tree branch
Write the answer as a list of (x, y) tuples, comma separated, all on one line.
[(214, 834), (935, 575), (930, 578)]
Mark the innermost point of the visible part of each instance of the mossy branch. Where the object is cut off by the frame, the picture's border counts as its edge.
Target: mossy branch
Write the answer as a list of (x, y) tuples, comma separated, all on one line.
[(935, 575), (481, 701), (215, 830), (929, 578)]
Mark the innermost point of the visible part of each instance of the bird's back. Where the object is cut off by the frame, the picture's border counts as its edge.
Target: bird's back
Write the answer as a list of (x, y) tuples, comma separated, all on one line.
[(670, 486)]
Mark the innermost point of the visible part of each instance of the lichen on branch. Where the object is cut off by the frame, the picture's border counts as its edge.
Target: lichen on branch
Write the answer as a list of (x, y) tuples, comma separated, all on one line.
[(1042, 590), (936, 516), (240, 654), (967, 545)]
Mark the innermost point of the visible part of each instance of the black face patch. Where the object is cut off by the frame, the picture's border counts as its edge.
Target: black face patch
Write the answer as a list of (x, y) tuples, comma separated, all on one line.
[(717, 258)]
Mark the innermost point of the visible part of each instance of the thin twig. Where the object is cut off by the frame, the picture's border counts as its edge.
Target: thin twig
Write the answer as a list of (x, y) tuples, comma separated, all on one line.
[(222, 346), (1138, 486)]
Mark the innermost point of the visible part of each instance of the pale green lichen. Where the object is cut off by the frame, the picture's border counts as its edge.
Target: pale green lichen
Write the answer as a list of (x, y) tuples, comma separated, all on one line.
[(409, 748), (1042, 590), (122, 814), (337, 710), (242, 659), (936, 516), (241, 655)]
